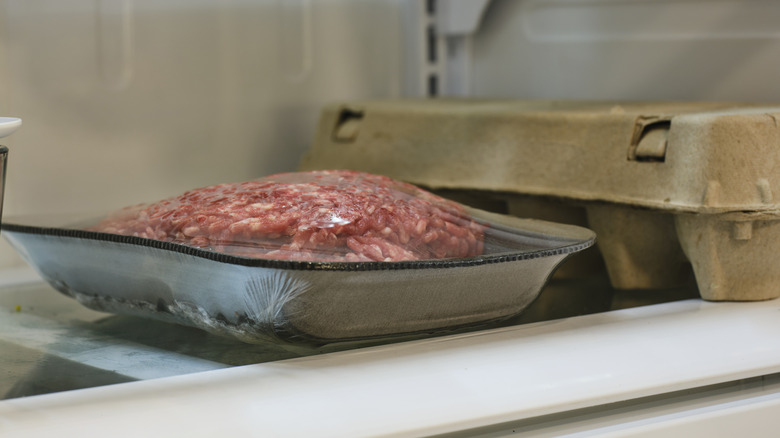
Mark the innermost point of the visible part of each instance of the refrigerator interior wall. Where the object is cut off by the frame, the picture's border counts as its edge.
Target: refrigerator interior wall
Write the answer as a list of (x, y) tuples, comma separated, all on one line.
[(128, 101), (623, 49)]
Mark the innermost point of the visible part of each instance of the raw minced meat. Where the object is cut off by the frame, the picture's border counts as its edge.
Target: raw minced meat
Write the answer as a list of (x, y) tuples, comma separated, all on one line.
[(333, 215)]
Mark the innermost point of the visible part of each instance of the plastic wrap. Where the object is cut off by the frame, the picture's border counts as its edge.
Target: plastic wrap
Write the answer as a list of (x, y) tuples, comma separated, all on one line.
[(334, 215), (270, 286)]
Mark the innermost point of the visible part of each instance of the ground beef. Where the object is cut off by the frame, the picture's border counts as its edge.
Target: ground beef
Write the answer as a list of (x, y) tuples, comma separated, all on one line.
[(317, 216)]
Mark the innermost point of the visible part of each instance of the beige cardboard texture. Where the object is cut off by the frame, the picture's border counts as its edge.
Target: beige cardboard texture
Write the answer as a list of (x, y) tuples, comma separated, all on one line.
[(645, 172)]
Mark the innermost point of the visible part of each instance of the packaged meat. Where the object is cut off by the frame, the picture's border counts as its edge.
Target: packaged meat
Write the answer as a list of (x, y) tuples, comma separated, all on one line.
[(331, 215), (309, 272)]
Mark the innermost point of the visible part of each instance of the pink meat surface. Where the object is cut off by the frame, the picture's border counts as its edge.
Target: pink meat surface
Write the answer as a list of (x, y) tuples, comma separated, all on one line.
[(334, 215)]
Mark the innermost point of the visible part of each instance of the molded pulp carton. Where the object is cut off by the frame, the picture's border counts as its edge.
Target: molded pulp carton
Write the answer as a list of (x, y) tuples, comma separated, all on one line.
[(662, 184)]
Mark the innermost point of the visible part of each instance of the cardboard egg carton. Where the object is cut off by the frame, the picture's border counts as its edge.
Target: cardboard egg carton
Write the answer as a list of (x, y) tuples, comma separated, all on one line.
[(662, 184)]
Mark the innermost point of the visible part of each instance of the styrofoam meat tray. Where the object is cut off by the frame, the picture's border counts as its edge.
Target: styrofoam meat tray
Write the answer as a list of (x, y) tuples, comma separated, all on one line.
[(317, 303)]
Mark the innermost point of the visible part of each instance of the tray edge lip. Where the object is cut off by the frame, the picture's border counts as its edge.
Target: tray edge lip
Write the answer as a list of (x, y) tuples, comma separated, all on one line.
[(298, 265)]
